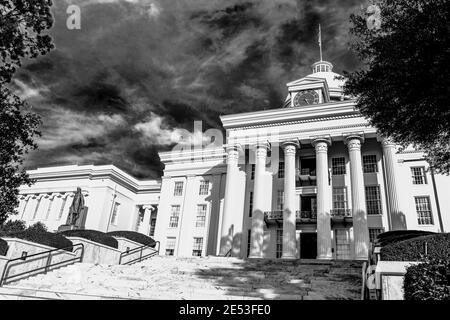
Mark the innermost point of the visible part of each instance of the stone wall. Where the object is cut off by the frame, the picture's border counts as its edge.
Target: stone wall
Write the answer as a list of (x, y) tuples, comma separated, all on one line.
[(98, 253)]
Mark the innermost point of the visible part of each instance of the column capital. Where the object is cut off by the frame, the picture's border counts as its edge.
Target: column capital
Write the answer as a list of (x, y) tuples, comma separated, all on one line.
[(290, 144), (354, 140), (321, 143), (233, 152), (387, 142)]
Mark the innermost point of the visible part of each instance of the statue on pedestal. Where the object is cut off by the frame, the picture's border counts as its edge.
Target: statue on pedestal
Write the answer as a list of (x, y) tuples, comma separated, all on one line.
[(75, 219)]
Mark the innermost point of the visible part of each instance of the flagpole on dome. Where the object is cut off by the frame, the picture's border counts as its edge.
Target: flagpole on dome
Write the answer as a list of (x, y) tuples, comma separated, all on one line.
[(320, 42)]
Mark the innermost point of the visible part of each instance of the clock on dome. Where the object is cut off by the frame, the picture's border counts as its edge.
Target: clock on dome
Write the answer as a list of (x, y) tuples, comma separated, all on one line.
[(305, 98)]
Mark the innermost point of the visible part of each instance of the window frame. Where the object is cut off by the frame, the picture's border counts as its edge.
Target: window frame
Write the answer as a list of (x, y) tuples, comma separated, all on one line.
[(345, 201), (201, 223), (422, 177), (174, 220), (177, 191), (196, 252), (341, 166), (430, 211), (379, 200), (281, 169), (204, 188), (170, 248), (370, 164)]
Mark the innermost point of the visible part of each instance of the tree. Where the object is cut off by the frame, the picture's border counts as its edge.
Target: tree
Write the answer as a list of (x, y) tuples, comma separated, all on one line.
[(22, 23), (404, 88)]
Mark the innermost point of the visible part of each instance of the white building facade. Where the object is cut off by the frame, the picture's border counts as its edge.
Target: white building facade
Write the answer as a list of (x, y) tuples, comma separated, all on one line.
[(309, 180)]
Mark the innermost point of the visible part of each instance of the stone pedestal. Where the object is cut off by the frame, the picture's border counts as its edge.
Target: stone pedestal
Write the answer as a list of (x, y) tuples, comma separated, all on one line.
[(66, 227)]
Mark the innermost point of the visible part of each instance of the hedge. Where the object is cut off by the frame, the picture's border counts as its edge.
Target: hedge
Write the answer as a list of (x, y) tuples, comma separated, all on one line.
[(438, 247), (50, 239), (12, 226), (429, 280), (134, 236), (3, 247), (400, 235), (93, 235)]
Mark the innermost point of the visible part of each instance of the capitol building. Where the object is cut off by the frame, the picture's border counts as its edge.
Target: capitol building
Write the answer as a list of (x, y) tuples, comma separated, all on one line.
[(309, 180)]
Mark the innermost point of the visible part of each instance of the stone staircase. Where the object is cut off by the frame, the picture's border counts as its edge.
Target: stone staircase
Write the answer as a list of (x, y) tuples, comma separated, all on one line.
[(211, 278)]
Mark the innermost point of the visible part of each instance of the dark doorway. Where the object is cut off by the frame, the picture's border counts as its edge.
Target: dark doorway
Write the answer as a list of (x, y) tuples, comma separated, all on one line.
[(308, 245)]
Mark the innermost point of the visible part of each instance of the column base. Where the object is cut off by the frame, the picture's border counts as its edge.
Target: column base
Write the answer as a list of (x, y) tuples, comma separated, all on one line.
[(289, 257), (252, 256), (324, 257)]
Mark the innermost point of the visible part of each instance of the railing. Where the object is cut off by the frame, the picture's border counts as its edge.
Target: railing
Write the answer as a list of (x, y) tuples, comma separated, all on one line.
[(44, 269), (141, 251), (341, 213), (278, 215), (306, 215)]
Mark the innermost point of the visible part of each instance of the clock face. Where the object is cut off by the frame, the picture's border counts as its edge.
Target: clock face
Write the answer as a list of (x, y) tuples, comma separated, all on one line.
[(305, 98)]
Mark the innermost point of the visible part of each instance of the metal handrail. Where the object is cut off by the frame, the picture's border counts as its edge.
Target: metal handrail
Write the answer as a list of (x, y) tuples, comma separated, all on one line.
[(140, 250), (45, 269)]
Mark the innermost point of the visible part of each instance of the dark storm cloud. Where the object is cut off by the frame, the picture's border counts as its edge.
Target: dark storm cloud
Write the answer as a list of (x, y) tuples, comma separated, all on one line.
[(140, 70)]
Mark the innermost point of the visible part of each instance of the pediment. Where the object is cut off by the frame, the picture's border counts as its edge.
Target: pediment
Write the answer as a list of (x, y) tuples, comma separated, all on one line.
[(307, 82)]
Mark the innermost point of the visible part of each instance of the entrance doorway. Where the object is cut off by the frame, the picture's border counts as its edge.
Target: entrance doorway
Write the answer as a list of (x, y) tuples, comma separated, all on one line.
[(308, 245)]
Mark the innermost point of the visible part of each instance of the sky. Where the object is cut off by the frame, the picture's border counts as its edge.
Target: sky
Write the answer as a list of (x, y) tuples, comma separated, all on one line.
[(118, 90)]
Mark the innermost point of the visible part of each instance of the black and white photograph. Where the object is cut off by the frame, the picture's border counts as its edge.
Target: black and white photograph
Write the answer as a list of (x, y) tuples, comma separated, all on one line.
[(246, 152)]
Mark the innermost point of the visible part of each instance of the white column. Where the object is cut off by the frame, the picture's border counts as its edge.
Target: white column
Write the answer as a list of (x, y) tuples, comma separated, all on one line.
[(389, 163), (289, 212), (323, 212), (360, 229), (257, 233), (227, 231)]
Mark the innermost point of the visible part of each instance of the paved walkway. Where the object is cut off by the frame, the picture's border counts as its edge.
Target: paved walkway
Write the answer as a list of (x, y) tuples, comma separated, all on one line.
[(199, 278)]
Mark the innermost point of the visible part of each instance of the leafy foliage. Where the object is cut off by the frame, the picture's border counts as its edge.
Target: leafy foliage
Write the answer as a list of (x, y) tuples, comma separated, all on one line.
[(389, 237), (12, 226), (429, 280), (134, 236), (438, 247), (405, 88), (3, 247), (38, 235), (21, 25), (93, 235)]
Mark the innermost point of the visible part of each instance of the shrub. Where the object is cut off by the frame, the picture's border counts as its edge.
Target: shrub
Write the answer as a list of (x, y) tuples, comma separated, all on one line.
[(400, 235), (12, 226), (134, 236), (429, 280), (38, 227), (50, 239), (3, 247), (93, 235), (438, 247)]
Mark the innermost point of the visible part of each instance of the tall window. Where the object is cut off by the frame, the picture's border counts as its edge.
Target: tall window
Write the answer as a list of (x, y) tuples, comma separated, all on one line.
[(197, 248), (204, 188), (281, 170), (340, 205), (178, 190), (423, 208), (170, 246), (27, 200), (373, 200), (338, 166), (250, 205), (61, 210), (115, 214), (252, 176), (279, 252), (174, 216), (152, 224), (249, 237), (37, 208), (374, 232), (201, 216), (280, 199), (418, 175), (370, 164), (49, 208)]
